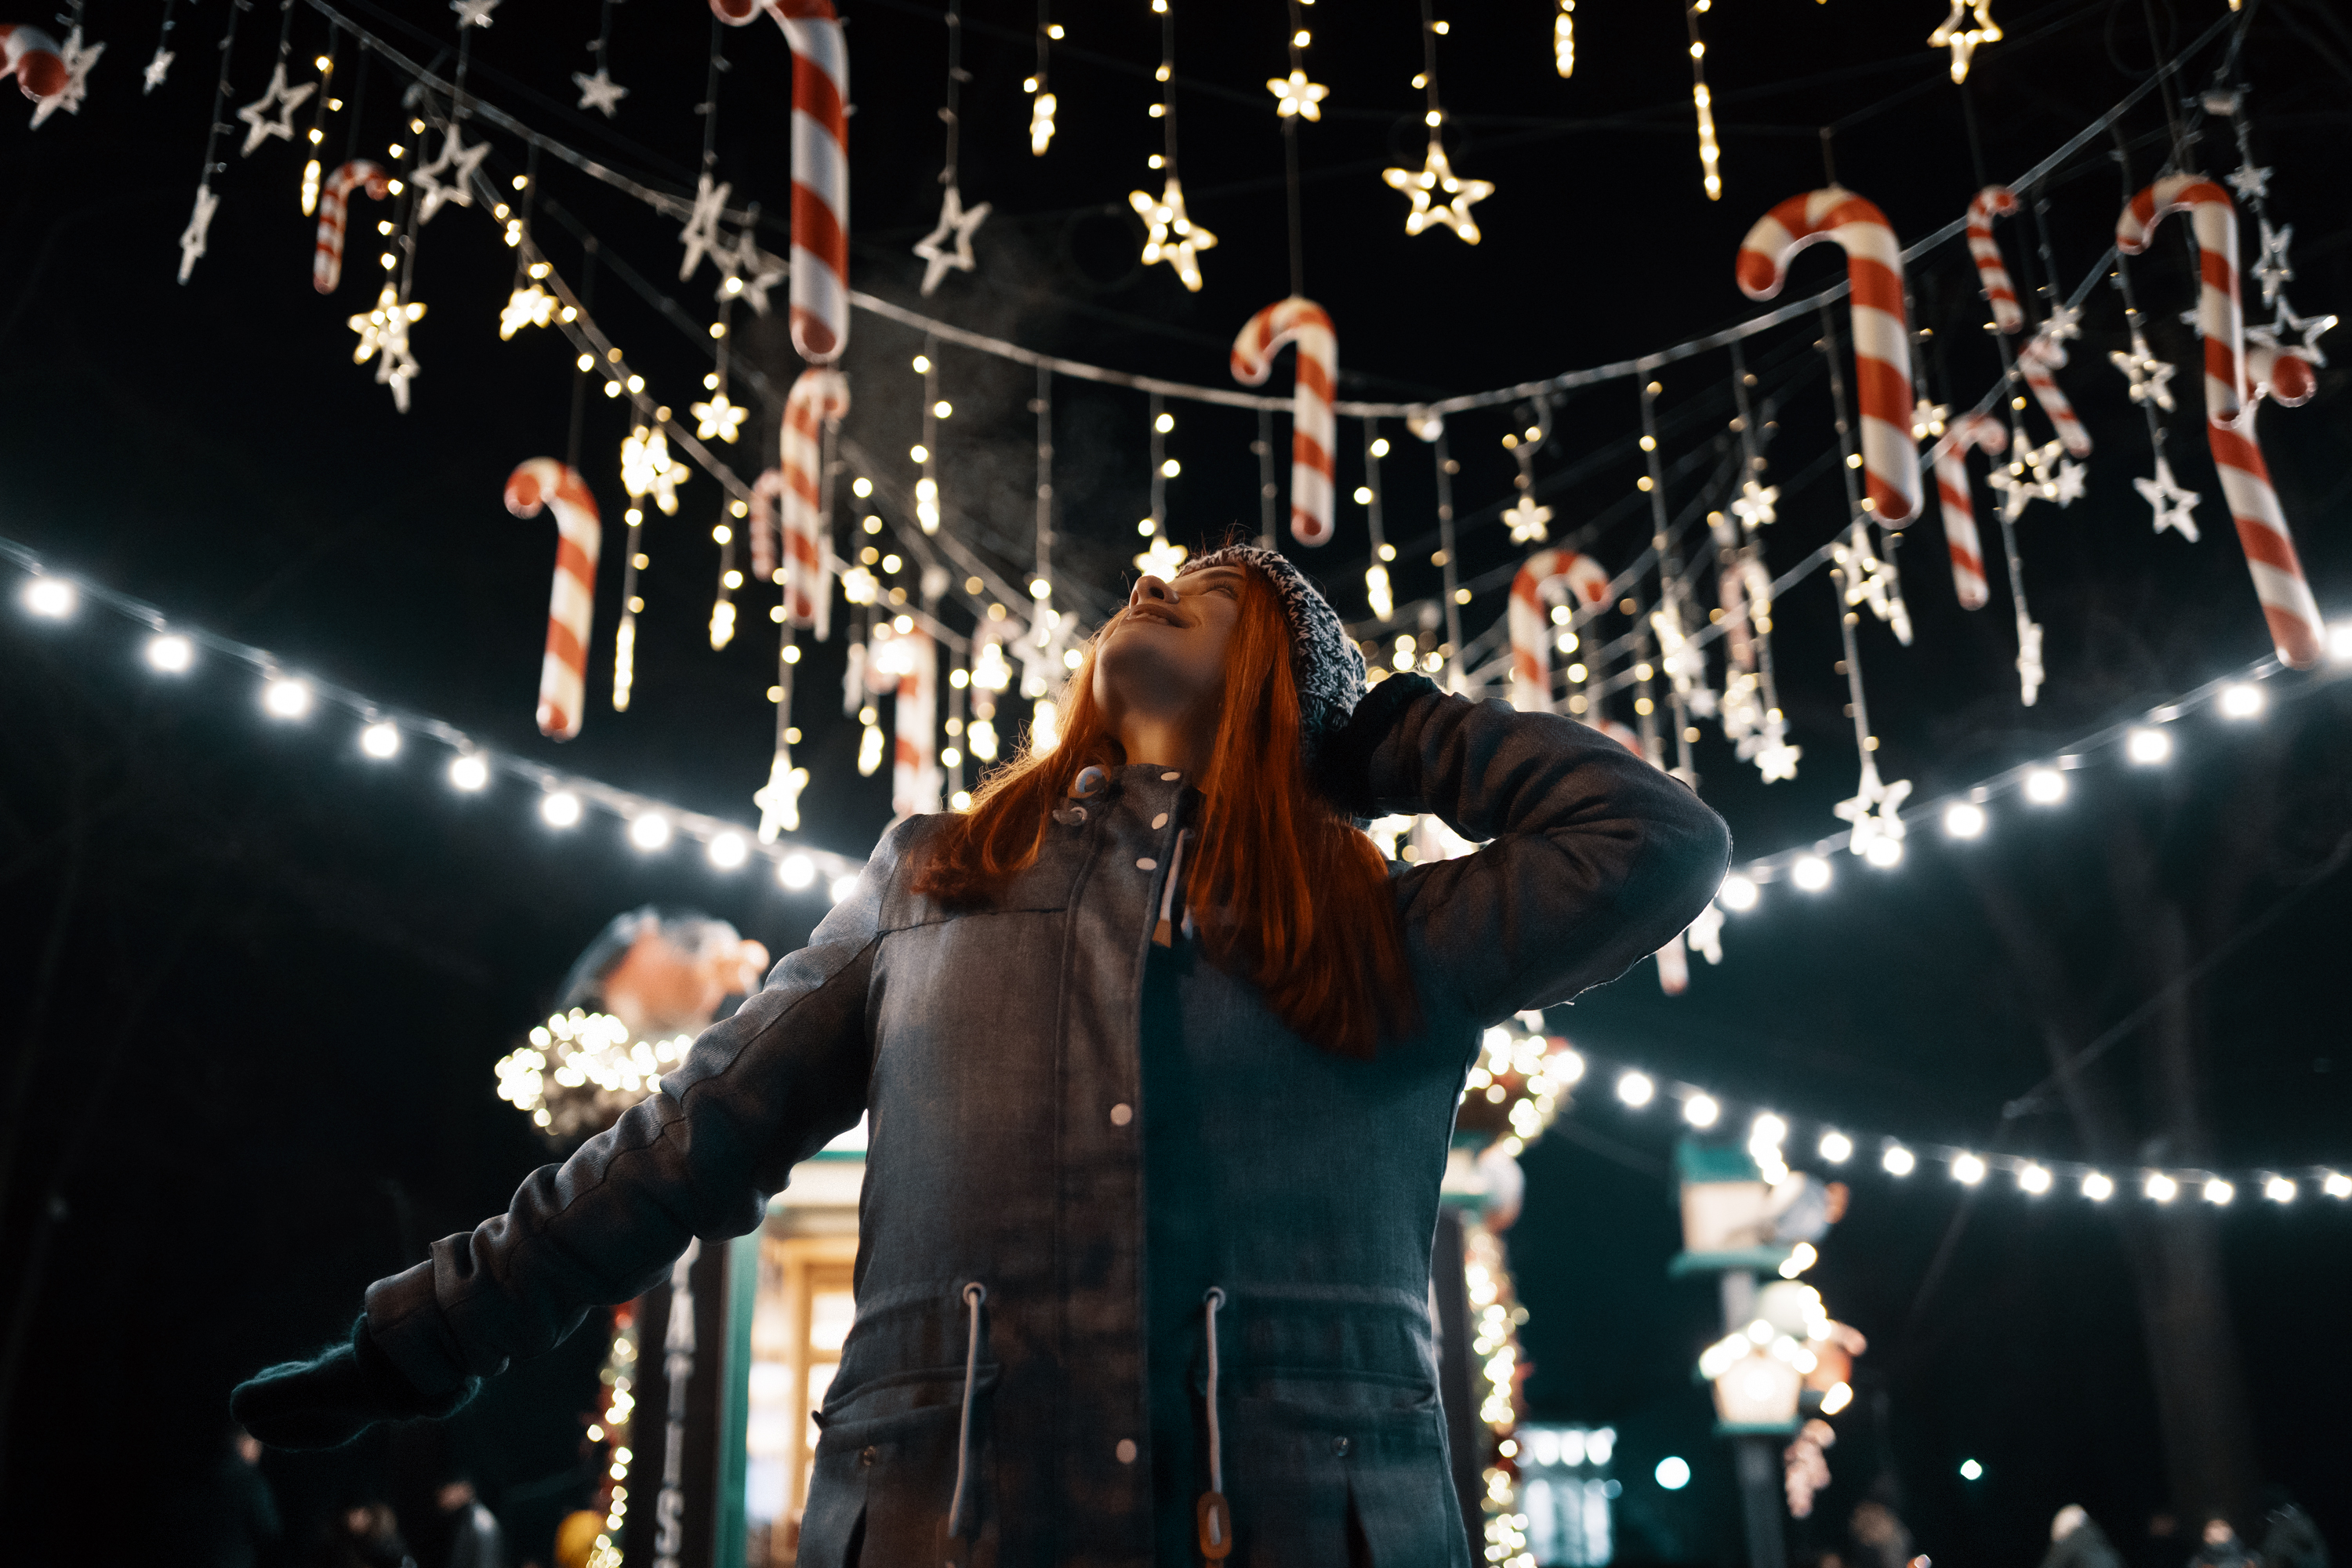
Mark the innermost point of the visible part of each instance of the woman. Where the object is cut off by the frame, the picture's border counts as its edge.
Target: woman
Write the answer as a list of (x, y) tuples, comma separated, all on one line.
[(1162, 1066)]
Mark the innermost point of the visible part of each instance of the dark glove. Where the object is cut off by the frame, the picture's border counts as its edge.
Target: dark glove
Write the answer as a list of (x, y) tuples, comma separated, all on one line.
[(334, 1397), (1343, 761)]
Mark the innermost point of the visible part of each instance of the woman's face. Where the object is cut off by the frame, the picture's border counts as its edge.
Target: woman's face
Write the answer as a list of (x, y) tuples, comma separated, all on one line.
[(1164, 655)]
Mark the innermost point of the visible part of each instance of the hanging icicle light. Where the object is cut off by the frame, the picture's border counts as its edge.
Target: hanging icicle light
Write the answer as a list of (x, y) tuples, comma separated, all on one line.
[(1709, 154)]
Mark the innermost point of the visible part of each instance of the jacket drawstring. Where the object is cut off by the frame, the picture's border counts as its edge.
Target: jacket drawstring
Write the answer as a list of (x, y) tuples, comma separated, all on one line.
[(959, 1514), (1213, 1518), (1164, 934)]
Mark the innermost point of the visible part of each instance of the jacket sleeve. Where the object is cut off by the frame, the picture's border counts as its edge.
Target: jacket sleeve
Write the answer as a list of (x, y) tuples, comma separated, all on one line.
[(1593, 858), (758, 1093)]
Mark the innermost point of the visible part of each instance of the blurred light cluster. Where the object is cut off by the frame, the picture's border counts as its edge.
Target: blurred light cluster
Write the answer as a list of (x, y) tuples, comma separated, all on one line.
[(582, 1070)]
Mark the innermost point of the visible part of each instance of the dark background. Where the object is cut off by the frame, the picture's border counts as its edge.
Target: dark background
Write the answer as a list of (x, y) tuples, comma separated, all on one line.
[(256, 982)]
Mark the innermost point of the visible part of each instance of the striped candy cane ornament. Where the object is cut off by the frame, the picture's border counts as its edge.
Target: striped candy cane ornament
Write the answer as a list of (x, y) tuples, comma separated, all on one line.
[(914, 722), (31, 57), (2279, 584), (819, 396), (1545, 576), (334, 198), (764, 492), (820, 257), (2039, 359), (1992, 202), (1314, 430), (1970, 432), (1882, 334), (542, 482)]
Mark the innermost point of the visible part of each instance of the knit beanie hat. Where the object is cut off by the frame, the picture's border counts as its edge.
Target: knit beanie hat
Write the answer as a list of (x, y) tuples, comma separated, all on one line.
[(1325, 662)]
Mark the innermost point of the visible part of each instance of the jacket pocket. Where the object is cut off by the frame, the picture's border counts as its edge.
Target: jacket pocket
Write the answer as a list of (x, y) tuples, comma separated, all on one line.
[(1336, 1473), (886, 1473)]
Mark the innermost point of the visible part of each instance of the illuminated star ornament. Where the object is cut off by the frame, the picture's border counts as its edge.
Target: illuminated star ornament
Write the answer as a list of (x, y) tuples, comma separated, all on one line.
[(2029, 673), (700, 235), (200, 223), (1295, 95), (1161, 560), (77, 61), (949, 242), (1776, 759), (1424, 185), (1876, 812), (2271, 265), (474, 13), (2150, 377), (647, 469), (1757, 506), (2053, 479), (157, 69), (718, 417), (531, 307), (458, 160), (1174, 238), (383, 337), (2174, 508), (2250, 184), (750, 272), (1527, 520), (2289, 324), (260, 124), (1961, 37), (1927, 420), (780, 800), (599, 92)]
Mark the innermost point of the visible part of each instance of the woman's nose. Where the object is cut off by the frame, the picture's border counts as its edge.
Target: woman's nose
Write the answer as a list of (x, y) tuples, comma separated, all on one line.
[(1151, 587)]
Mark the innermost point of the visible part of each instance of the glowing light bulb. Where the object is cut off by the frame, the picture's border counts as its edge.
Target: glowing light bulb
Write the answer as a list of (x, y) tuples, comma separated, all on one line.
[(1810, 872), (2161, 1187), (1898, 1161), (467, 772), (2217, 1192), (52, 597), (796, 872), (1963, 820), (171, 653), (1967, 1170), (560, 808), (2098, 1187), (1636, 1090), (2241, 700), (285, 698), (1738, 893), (380, 739), (1701, 1111), (2278, 1189), (729, 851), (2148, 746), (1836, 1148), (2044, 786), (2033, 1179)]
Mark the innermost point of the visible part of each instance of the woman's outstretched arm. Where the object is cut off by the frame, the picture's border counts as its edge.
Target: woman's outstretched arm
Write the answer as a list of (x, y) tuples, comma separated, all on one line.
[(1593, 858), (758, 1093)]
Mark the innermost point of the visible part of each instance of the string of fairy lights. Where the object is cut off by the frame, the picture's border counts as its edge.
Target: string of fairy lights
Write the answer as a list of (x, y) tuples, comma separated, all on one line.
[(174, 649)]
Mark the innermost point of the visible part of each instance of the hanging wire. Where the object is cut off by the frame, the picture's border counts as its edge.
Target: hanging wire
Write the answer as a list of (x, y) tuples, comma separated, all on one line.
[(1673, 600), (1377, 591), (1446, 468), (951, 114), (1042, 103), (317, 135), (1710, 154), (1290, 160), (1267, 490)]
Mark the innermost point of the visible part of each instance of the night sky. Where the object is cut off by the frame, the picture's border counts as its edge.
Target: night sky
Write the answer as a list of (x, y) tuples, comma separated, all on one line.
[(257, 981)]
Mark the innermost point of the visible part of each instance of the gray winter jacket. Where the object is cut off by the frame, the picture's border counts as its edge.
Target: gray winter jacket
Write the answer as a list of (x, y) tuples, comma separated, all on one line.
[(997, 1050)]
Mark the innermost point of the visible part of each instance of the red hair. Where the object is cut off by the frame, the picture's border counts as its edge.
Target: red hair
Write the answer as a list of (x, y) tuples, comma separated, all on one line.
[(1283, 889)]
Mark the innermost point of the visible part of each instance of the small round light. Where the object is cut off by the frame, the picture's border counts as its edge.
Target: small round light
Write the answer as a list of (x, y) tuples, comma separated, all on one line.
[(1636, 1090), (2033, 1179), (1884, 853), (1701, 1111), (2044, 786), (1738, 893), (1963, 819), (467, 772), (728, 851), (2219, 1192), (2339, 642), (2161, 1187), (380, 739), (1836, 1148), (796, 871), (171, 653), (285, 698), (2148, 746), (1970, 1470), (1674, 1473), (2336, 1185), (2278, 1189), (53, 597), (1968, 1169), (650, 831), (2241, 699), (1767, 1131), (2098, 1186), (1810, 872), (1898, 1161), (560, 808), (844, 885)]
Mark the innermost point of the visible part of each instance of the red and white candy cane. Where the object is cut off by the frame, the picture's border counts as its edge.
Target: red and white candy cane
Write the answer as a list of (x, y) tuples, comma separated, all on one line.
[(542, 482), (2282, 375), (818, 396), (1882, 334), (32, 56), (1968, 433), (2038, 360), (1992, 202), (820, 259), (764, 492), (1544, 577), (1314, 430), (2279, 584), (334, 198), (914, 722)]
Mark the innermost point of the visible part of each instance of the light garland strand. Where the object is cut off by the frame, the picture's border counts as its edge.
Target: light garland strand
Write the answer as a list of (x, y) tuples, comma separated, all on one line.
[(1710, 155), (289, 695)]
